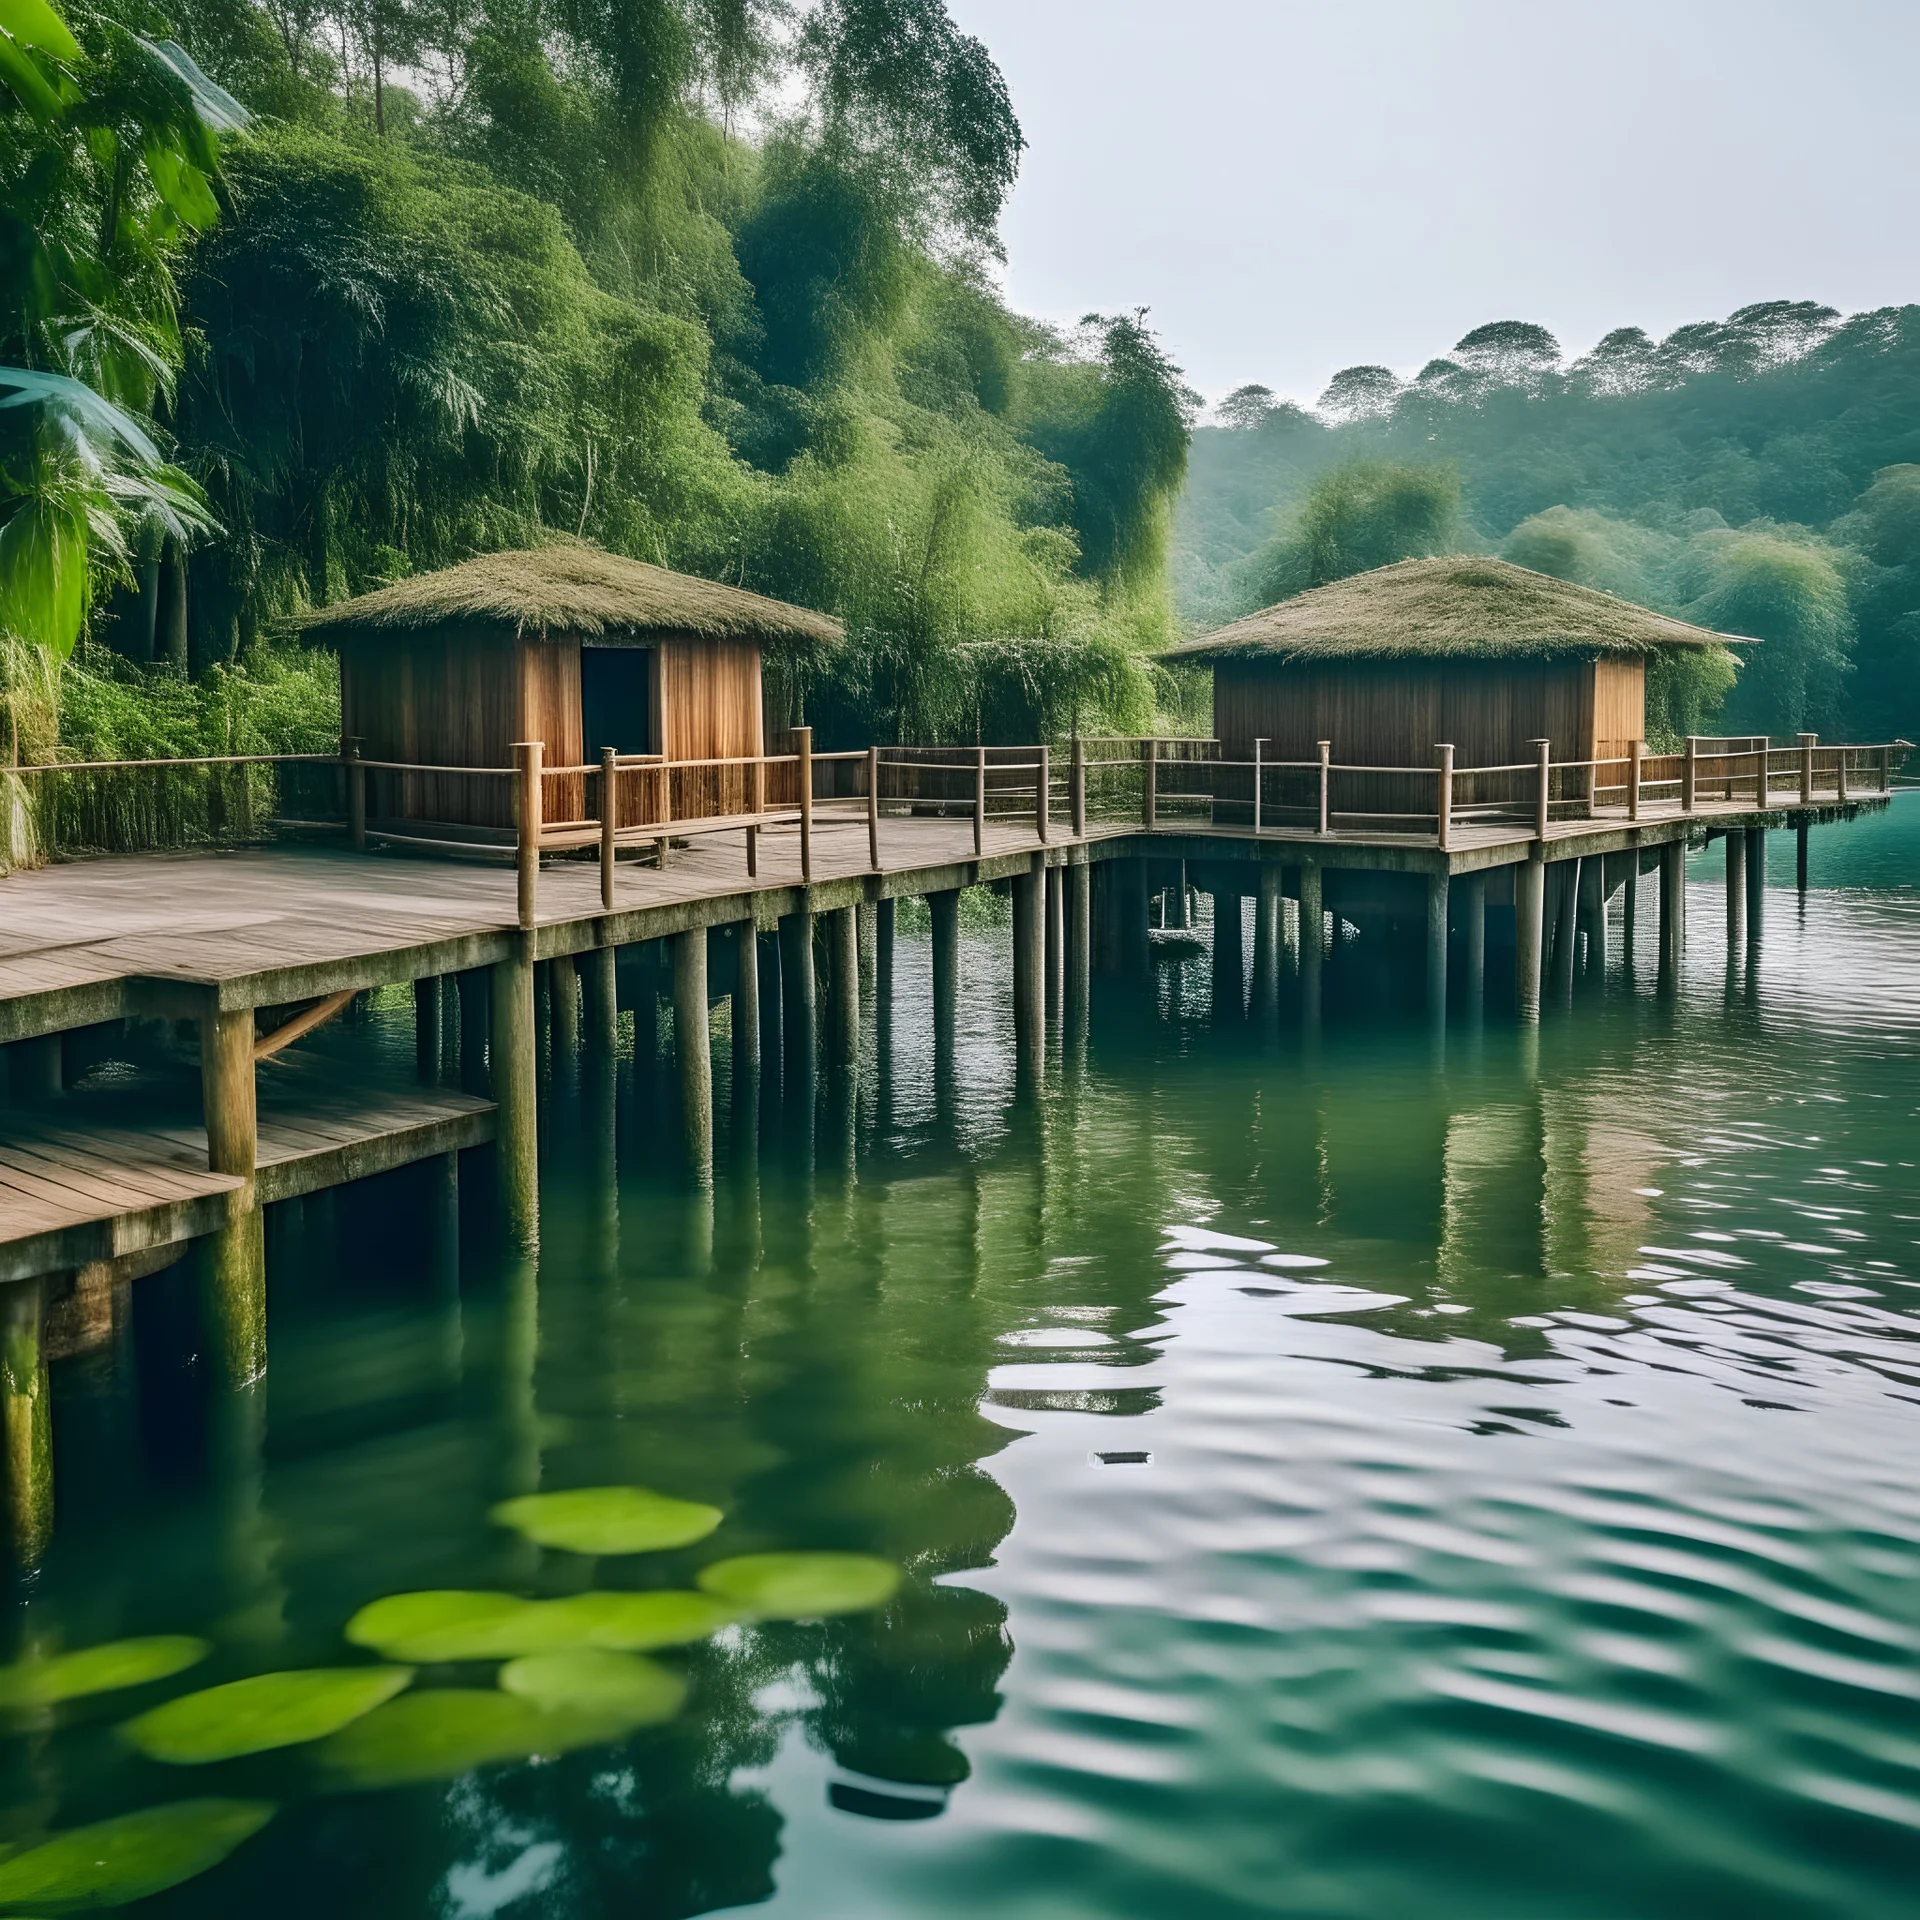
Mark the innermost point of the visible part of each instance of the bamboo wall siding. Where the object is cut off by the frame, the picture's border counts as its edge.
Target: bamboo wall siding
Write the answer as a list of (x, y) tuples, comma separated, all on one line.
[(1619, 707)]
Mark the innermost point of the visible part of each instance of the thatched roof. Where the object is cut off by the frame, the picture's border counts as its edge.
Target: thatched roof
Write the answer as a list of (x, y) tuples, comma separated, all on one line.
[(1464, 607), (570, 588)]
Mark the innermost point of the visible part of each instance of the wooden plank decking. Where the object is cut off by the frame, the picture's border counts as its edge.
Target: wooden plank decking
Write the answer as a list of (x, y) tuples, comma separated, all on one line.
[(83, 1184)]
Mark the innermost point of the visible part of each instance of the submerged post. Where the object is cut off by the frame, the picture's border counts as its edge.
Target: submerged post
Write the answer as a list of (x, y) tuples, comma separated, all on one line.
[(693, 1050), (233, 1273), (474, 1021), (1756, 864), (1802, 835), (1565, 921), (746, 1025), (1529, 930), (1673, 912), (514, 1054), (600, 990), (944, 911), (526, 758), (1079, 933), (1439, 887), (843, 988), (563, 1000)]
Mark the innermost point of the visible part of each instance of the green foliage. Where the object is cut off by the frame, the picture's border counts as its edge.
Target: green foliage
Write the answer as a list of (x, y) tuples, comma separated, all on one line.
[(1366, 515), (1750, 472)]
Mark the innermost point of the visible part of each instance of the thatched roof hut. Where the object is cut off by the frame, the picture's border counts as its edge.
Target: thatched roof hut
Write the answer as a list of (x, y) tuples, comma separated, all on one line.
[(1471, 652), (1458, 608), (565, 644)]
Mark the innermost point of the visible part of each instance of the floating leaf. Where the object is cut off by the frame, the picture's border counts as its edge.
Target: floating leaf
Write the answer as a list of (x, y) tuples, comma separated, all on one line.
[(270, 1710), (642, 1692), (601, 1520), (115, 1861), (639, 1622), (446, 1625), (802, 1586), (450, 1730), (102, 1669)]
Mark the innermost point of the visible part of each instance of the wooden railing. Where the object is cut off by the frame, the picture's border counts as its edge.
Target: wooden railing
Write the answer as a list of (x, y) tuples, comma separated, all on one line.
[(648, 801)]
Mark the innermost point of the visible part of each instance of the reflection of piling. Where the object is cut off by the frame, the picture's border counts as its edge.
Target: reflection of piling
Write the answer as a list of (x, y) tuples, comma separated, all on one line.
[(799, 1023), (1438, 889), (1473, 948), (513, 1055), (1593, 918), (745, 1020), (1079, 936), (1229, 958), (1673, 913)]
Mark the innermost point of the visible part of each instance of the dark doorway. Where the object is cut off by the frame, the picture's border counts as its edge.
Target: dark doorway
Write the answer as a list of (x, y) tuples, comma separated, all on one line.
[(613, 700)]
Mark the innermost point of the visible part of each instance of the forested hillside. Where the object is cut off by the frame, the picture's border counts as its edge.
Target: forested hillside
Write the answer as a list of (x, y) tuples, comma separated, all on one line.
[(1760, 474), (705, 281)]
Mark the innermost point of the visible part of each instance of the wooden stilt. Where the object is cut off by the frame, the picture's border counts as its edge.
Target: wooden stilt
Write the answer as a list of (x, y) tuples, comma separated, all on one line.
[(599, 989), (692, 1048), (1565, 923), (1802, 834), (1673, 913), (843, 989), (867, 925), (799, 1015), (944, 910), (1736, 846), (1438, 888), (746, 1024), (1266, 941), (426, 1029), (1029, 968), (1473, 947), (232, 1259), (26, 1411), (1756, 864), (1313, 945), (1593, 918), (514, 1060), (1053, 879), (1079, 927), (563, 991), (475, 1017), (1529, 927), (1229, 959)]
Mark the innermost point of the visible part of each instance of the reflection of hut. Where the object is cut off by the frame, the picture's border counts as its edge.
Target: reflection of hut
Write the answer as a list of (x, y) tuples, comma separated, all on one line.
[(1477, 653), (567, 645)]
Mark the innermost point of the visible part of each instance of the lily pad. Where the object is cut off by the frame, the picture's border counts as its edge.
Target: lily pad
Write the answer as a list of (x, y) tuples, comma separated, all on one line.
[(270, 1710), (639, 1622), (641, 1691), (450, 1730), (802, 1586), (600, 1520), (103, 1669), (428, 1627), (115, 1861)]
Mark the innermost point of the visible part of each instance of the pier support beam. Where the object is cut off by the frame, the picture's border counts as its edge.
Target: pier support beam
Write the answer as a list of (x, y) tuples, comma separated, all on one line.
[(1438, 889), (599, 989), (771, 993), (693, 1051), (1473, 947), (1756, 863), (26, 1416), (563, 1001), (1079, 922), (1802, 833), (233, 1258), (1529, 934), (1029, 973), (1053, 880), (514, 1055), (1266, 941), (1566, 875), (843, 989), (944, 910), (746, 1026), (1313, 946), (1736, 844), (1593, 918), (1673, 913), (474, 1009), (799, 1015), (867, 928)]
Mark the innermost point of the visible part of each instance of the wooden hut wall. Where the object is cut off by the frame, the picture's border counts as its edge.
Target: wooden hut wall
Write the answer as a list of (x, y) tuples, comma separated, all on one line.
[(1393, 713), (550, 712), (1619, 709), (706, 705)]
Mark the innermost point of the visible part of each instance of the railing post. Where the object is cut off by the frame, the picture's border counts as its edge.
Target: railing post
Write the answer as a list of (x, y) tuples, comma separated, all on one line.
[(1542, 790), (1886, 769), (1444, 815), (609, 820), (1761, 770), (1150, 786), (1326, 784), (1635, 749), (1840, 778), (803, 746), (1257, 745), (979, 801), (873, 808), (1043, 794), (1806, 768), (527, 756), (356, 794), (1079, 788), (1689, 774), (756, 804), (663, 814)]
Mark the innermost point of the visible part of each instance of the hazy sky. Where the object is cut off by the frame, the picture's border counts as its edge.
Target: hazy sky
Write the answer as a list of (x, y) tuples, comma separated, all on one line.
[(1296, 188)]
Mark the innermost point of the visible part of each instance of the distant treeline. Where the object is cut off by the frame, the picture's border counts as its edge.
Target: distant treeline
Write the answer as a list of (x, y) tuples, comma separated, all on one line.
[(1759, 474)]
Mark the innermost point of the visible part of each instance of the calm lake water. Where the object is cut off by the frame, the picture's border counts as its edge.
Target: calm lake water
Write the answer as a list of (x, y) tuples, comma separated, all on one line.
[(1327, 1485)]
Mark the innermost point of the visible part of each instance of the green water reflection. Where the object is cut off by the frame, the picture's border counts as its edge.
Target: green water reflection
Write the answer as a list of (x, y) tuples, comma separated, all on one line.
[(1327, 1483)]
